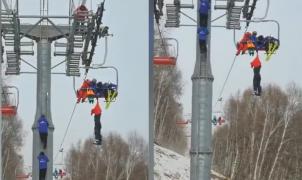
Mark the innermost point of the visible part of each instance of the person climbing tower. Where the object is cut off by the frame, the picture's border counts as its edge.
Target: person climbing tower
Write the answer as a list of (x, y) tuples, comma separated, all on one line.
[(43, 130), (256, 65), (203, 10), (202, 36), (97, 111), (43, 160)]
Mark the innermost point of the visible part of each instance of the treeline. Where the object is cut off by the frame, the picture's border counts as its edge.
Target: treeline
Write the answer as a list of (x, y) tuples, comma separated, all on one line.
[(115, 159), (12, 141), (262, 137), (167, 90)]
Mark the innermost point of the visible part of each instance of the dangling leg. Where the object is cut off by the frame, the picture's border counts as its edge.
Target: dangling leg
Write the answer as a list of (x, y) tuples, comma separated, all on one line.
[(97, 128), (259, 86), (255, 84), (257, 78)]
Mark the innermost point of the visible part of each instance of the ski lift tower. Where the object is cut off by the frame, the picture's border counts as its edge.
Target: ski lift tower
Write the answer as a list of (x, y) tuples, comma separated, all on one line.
[(77, 40)]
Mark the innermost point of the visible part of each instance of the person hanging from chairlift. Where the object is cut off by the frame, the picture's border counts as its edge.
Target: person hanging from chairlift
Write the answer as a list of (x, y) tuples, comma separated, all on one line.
[(202, 36), (43, 160), (97, 111), (256, 65), (203, 10), (43, 130)]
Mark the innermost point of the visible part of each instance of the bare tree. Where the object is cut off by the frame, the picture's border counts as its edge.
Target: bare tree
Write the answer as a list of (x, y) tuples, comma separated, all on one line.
[(12, 141), (116, 159), (167, 108), (261, 137)]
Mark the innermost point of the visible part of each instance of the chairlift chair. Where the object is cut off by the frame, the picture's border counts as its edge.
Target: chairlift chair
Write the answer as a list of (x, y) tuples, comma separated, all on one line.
[(270, 39), (22, 176), (169, 49), (182, 122), (10, 101), (109, 90)]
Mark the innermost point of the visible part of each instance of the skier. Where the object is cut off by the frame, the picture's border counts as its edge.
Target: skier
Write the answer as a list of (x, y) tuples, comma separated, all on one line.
[(43, 159), (56, 173), (271, 45), (97, 111), (260, 44), (204, 7), (43, 130), (256, 65)]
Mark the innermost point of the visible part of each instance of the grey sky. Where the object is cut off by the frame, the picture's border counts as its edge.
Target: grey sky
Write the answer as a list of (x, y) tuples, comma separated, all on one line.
[(284, 67), (128, 51)]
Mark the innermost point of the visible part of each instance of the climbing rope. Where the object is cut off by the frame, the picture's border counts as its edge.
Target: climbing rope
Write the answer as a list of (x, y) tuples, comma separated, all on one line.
[(66, 130), (225, 81)]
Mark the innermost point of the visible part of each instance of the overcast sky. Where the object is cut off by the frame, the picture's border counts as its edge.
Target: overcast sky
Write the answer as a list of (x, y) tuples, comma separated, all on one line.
[(284, 67), (128, 51)]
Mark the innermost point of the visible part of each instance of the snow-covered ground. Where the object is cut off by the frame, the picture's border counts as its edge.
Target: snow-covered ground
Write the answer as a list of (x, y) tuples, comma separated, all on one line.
[(170, 165)]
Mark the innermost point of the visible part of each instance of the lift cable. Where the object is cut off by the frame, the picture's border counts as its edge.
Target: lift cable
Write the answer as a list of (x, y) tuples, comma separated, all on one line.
[(228, 75), (162, 40), (225, 81), (66, 130)]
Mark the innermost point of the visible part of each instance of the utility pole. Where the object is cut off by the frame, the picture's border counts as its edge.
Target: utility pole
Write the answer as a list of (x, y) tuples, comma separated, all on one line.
[(202, 90)]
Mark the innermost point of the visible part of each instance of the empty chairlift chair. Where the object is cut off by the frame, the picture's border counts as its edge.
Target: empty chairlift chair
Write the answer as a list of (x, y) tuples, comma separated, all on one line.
[(10, 101), (165, 51)]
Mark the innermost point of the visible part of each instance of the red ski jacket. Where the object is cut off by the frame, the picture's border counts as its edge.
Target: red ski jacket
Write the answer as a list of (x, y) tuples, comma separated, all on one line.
[(256, 62), (97, 109)]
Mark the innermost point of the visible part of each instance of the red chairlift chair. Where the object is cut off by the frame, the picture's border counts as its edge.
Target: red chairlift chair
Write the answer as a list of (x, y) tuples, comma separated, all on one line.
[(10, 101), (171, 48), (22, 176)]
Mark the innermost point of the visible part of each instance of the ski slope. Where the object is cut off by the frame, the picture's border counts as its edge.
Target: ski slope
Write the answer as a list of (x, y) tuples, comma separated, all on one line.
[(169, 165)]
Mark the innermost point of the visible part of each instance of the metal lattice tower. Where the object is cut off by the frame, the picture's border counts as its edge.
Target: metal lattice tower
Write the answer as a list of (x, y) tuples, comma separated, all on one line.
[(74, 41)]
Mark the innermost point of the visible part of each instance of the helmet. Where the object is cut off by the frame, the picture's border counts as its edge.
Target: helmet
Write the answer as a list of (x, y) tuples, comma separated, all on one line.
[(254, 32), (94, 80)]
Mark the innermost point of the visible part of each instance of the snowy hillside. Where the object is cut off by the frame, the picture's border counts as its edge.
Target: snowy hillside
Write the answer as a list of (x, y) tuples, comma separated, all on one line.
[(170, 165)]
